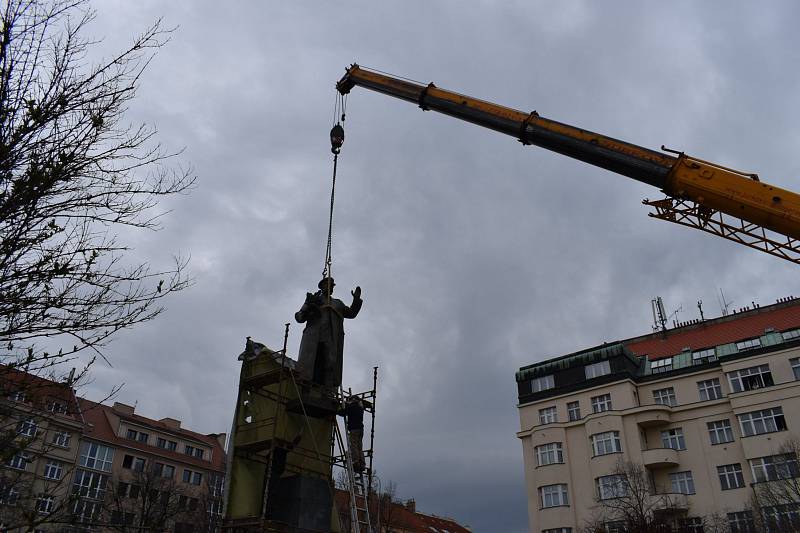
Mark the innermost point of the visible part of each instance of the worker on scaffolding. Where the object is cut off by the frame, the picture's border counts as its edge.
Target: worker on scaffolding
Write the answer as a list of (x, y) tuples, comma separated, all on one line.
[(353, 413), (321, 347)]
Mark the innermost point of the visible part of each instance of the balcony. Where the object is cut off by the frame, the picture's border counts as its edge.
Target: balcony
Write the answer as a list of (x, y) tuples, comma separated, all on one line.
[(670, 502), (660, 458), (653, 415)]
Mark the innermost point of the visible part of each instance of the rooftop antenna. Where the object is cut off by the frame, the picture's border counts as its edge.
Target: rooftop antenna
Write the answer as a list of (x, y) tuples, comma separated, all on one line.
[(674, 314), (700, 307), (659, 314), (723, 304)]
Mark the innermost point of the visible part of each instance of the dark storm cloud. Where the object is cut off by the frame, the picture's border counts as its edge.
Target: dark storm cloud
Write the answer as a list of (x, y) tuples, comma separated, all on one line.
[(476, 255)]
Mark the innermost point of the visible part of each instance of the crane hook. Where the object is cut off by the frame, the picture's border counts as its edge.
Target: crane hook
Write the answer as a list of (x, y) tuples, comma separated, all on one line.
[(337, 138)]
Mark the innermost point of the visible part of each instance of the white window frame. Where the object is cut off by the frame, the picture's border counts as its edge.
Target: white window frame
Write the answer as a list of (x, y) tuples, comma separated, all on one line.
[(61, 439), (661, 365), (730, 476), (790, 334), (665, 396), (682, 482), (96, 456), (673, 439), (53, 469), (595, 370), (611, 486), (709, 389), (774, 467), (549, 454), (20, 461), (795, 362), (720, 428), (27, 427), (89, 484), (748, 344), (57, 407), (553, 495), (574, 411), (45, 504), (601, 403), (701, 356), (542, 383), (548, 415), (606, 443), (741, 522), (752, 378), (784, 517), (761, 422)]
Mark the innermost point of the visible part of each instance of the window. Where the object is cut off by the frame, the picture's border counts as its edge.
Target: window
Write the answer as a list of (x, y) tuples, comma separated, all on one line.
[(122, 518), (96, 456), (791, 334), (748, 344), (601, 403), (703, 356), (615, 526), (673, 438), (785, 517), (163, 470), (772, 467), (553, 495), (53, 470), (795, 367), (597, 369), (692, 525), (27, 427), (61, 439), (730, 476), (161, 442), (19, 461), (682, 482), (87, 511), (90, 485), (132, 434), (547, 415), (199, 452), (665, 396), (59, 408), (605, 443), (142, 437), (759, 422), (558, 530), (709, 389), (17, 396), (172, 445), (8, 494), (661, 365), (542, 383), (44, 504), (546, 454), (611, 487), (720, 431), (216, 485), (133, 463), (756, 377), (574, 411), (195, 478), (741, 522)]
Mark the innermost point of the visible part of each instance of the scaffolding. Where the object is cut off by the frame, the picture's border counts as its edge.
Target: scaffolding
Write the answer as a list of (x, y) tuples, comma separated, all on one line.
[(283, 448)]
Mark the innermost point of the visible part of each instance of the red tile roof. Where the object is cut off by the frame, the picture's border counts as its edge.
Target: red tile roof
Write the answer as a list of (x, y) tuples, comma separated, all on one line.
[(724, 330), (39, 391), (403, 519), (100, 428)]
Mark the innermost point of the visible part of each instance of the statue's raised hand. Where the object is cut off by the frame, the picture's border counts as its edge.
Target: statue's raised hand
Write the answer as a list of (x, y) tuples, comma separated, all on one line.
[(356, 293)]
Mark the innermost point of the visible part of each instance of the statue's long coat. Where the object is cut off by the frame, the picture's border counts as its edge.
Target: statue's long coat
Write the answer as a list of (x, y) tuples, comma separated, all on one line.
[(323, 336)]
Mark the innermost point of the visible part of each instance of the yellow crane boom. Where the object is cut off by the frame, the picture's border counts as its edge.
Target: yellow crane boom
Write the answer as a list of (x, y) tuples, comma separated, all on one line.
[(713, 198)]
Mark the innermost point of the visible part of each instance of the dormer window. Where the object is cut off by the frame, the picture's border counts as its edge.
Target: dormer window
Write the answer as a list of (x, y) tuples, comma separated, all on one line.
[(542, 383), (661, 365), (597, 369)]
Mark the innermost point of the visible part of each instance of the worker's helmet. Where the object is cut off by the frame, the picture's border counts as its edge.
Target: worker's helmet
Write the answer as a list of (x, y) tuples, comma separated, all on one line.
[(323, 283)]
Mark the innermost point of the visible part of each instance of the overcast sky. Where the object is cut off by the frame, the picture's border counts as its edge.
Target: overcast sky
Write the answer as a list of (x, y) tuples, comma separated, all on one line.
[(475, 255)]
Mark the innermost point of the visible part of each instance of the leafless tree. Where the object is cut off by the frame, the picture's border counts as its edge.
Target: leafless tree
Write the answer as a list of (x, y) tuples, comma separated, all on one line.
[(72, 173), (627, 502), (775, 504)]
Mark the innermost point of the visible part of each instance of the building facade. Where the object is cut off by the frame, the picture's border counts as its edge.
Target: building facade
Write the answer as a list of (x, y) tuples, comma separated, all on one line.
[(70, 464), (706, 414)]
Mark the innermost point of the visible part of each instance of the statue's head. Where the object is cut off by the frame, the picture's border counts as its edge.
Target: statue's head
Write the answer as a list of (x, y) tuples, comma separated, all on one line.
[(324, 284)]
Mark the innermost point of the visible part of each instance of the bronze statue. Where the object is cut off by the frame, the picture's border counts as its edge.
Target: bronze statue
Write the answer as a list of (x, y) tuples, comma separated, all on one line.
[(320, 358)]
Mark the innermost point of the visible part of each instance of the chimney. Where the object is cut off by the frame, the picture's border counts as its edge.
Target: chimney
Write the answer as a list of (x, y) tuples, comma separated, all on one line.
[(123, 408), (411, 505), (171, 423)]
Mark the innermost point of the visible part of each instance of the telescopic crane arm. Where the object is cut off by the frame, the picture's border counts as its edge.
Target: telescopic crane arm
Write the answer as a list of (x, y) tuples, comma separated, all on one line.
[(700, 194)]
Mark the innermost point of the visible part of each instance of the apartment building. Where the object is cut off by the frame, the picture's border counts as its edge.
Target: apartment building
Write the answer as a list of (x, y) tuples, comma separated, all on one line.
[(708, 412), (70, 464)]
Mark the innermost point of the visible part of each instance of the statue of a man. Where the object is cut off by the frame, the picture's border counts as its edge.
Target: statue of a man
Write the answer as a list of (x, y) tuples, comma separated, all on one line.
[(321, 348)]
